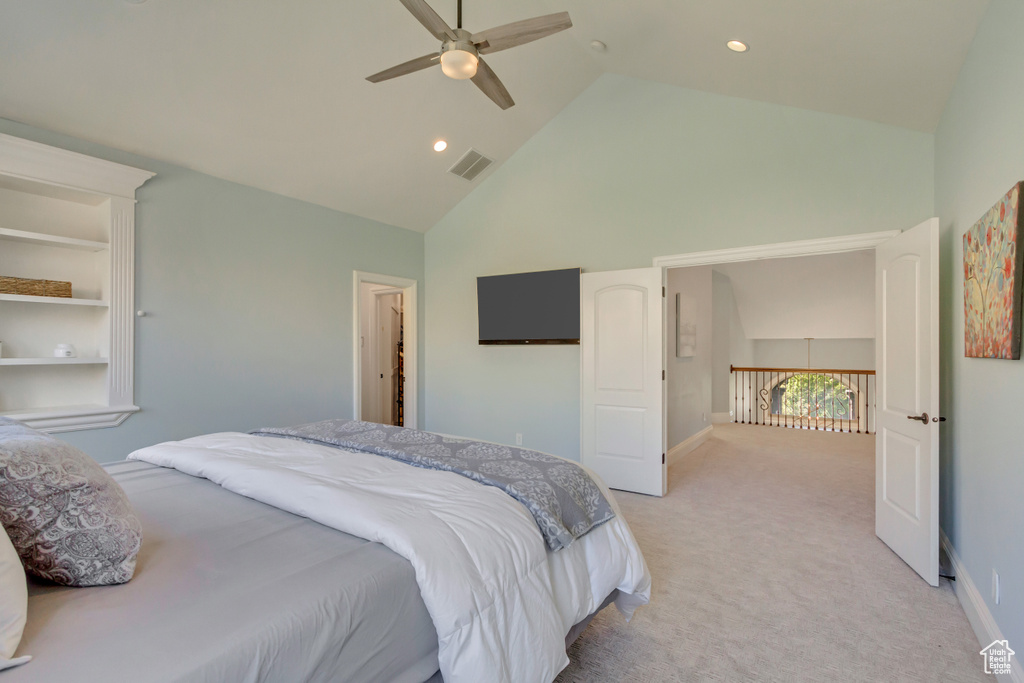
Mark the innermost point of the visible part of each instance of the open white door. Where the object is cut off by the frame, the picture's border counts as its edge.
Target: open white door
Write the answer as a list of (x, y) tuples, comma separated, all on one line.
[(907, 362), (621, 345)]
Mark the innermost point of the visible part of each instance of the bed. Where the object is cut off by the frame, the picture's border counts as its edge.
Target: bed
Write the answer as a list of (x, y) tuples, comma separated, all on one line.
[(229, 588)]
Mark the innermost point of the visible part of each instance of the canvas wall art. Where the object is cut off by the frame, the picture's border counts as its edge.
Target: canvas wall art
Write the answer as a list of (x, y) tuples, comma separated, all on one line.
[(993, 265)]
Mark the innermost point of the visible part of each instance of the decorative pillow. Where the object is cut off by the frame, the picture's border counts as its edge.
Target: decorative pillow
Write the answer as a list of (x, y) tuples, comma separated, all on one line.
[(13, 598), (68, 519)]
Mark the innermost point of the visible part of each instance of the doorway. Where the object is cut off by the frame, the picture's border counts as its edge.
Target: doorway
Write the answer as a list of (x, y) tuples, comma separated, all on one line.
[(384, 349), (906, 436), (782, 342), (381, 348)]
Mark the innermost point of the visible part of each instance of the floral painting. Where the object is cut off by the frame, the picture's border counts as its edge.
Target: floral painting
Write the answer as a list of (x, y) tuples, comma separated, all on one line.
[(992, 282)]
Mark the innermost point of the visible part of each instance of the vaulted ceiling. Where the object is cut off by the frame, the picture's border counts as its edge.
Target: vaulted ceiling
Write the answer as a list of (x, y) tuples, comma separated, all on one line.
[(829, 296), (272, 94)]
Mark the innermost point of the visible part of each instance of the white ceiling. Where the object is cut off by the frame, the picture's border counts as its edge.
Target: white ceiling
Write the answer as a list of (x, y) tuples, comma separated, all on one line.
[(824, 297), (272, 94)]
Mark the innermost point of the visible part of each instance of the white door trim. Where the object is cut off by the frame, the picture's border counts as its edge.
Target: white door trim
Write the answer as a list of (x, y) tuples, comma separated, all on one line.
[(411, 348), (824, 245)]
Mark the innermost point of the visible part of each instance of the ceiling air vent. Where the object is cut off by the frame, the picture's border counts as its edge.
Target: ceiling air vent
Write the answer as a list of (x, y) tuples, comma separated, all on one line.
[(472, 164)]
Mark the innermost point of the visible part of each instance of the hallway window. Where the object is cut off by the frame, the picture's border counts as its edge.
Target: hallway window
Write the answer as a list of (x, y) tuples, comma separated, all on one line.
[(814, 395)]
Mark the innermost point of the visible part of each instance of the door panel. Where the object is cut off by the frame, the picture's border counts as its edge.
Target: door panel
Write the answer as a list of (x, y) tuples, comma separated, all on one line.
[(902, 472), (620, 432), (621, 349), (907, 450), (901, 340), (621, 322)]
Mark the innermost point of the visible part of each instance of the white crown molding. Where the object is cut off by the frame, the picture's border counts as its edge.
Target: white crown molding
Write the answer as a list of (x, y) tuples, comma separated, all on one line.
[(824, 245), (41, 163), (984, 624)]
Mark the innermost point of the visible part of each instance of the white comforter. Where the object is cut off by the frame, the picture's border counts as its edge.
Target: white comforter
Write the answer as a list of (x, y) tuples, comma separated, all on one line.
[(500, 601)]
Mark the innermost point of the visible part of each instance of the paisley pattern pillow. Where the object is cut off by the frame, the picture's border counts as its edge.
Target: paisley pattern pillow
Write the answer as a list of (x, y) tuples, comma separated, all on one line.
[(68, 519)]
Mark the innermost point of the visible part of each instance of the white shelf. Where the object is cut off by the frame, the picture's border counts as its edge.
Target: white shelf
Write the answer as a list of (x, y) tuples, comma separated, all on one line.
[(51, 240), (54, 361), (67, 301), (71, 418)]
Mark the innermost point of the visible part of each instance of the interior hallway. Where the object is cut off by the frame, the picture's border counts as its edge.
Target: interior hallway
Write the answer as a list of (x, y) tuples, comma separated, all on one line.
[(766, 568)]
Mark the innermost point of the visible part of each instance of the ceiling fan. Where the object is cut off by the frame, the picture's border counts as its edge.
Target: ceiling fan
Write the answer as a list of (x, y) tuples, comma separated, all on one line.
[(460, 52)]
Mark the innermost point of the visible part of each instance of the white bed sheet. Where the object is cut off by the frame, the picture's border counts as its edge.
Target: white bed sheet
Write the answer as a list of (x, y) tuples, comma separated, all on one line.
[(501, 603), (230, 589)]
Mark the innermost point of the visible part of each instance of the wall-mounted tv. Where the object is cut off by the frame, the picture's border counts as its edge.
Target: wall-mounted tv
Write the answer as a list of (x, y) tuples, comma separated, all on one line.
[(530, 308)]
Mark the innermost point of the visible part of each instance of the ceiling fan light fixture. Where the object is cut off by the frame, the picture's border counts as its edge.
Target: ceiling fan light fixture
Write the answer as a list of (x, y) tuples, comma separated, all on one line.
[(459, 64)]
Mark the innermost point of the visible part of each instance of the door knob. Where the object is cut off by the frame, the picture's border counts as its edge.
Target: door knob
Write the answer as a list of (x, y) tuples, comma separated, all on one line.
[(923, 417)]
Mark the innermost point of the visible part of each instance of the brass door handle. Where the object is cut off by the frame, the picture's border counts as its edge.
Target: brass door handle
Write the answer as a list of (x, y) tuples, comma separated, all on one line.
[(923, 417)]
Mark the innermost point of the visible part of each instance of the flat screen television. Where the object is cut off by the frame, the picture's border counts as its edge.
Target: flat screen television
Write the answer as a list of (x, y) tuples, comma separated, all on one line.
[(530, 308)]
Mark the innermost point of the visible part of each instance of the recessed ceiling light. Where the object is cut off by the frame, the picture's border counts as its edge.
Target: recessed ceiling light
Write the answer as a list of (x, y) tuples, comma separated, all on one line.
[(736, 46), (440, 146), (598, 46)]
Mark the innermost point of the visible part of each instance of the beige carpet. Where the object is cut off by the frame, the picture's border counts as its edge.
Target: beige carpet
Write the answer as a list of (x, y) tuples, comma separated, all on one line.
[(766, 568)]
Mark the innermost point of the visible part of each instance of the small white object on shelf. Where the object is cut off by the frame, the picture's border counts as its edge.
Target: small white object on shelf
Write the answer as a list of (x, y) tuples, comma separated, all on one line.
[(64, 351)]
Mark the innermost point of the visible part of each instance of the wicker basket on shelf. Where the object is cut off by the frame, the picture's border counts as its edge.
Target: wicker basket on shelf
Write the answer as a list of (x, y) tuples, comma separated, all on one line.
[(20, 285)]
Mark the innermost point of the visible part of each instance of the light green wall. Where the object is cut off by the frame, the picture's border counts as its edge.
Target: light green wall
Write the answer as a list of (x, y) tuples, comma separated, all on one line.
[(628, 171), (979, 156), (249, 301)]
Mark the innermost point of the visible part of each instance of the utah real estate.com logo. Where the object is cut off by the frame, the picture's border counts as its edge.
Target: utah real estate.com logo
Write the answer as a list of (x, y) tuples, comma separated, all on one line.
[(997, 657)]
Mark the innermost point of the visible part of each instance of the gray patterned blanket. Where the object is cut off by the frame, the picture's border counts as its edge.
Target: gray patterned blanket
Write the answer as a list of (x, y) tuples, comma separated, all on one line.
[(561, 496)]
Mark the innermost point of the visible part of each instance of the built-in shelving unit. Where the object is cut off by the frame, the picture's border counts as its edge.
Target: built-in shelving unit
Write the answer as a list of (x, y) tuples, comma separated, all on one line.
[(70, 217)]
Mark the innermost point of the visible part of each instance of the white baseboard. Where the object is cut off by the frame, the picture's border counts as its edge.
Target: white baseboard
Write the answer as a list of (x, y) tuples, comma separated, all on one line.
[(720, 418), (676, 453), (984, 624)]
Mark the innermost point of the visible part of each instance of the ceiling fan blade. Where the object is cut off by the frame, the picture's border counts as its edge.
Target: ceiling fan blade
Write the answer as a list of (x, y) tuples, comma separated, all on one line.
[(519, 32), (429, 18), (406, 67), (487, 81)]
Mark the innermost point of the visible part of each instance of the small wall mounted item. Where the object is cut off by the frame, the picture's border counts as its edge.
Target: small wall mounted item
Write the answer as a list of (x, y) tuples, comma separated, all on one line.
[(686, 326), (993, 265)]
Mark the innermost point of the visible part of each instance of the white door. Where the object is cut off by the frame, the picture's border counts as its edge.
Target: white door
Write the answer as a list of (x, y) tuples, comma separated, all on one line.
[(386, 312), (623, 438), (907, 362), (395, 370)]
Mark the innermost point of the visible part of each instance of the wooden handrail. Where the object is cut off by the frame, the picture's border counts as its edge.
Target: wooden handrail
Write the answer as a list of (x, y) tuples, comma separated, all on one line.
[(733, 368)]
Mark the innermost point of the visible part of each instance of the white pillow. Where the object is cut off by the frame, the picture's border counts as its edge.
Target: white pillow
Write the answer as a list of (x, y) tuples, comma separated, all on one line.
[(13, 598)]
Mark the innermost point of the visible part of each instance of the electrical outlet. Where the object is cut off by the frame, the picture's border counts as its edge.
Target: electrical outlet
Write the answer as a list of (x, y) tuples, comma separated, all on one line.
[(995, 586), (519, 439), (703, 417)]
